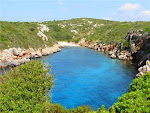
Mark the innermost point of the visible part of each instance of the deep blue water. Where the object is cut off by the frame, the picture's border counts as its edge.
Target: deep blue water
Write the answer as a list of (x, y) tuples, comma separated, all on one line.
[(86, 77)]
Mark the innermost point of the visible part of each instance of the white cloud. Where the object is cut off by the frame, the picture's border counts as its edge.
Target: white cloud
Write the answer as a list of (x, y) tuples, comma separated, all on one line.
[(131, 12), (60, 2), (130, 6), (146, 13)]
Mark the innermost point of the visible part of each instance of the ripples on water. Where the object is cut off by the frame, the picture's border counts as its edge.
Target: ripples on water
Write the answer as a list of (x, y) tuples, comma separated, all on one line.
[(86, 77)]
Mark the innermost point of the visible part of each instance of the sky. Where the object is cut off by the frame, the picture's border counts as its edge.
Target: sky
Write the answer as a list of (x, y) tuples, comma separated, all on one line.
[(45, 10)]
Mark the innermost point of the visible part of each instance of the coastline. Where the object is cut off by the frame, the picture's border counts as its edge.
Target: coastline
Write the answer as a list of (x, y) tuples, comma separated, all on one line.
[(17, 56), (114, 53)]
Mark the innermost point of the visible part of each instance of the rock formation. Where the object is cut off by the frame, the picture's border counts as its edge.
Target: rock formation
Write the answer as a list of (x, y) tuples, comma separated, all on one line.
[(144, 69), (18, 56), (41, 31)]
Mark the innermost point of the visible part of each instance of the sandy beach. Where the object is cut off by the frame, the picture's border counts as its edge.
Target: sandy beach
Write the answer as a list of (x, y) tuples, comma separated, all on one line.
[(67, 44)]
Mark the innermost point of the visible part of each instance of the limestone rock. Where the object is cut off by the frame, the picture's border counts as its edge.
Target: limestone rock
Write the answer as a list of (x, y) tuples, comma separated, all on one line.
[(144, 69), (113, 56), (36, 54), (133, 48), (125, 55), (40, 33), (15, 52)]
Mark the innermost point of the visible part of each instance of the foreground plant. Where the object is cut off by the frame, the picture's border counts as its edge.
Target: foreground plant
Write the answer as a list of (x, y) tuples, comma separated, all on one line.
[(25, 88)]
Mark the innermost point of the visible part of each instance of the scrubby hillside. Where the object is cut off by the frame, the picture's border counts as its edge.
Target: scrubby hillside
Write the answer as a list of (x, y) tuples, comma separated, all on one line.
[(24, 34), (103, 31), (21, 34)]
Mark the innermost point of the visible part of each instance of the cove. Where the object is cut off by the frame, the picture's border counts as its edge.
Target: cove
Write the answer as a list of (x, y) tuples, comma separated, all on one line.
[(86, 77)]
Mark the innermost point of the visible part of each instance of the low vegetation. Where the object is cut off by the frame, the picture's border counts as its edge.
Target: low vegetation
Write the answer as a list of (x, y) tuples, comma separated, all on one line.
[(103, 31), (24, 34), (26, 88), (21, 34)]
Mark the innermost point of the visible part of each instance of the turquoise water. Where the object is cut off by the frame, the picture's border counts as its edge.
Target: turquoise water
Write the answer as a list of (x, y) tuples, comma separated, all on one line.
[(86, 77)]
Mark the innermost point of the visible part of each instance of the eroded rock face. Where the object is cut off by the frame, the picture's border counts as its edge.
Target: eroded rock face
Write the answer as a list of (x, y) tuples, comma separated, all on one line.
[(140, 49)]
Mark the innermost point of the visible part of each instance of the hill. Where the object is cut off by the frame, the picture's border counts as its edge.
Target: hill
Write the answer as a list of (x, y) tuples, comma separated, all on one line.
[(24, 34)]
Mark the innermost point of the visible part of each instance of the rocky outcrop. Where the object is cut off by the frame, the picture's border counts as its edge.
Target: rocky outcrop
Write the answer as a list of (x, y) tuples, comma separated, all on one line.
[(12, 56), (113, 51), (144, 69), (18, 56), (125, 55), (140, 46), (143, 53), (41, 31)]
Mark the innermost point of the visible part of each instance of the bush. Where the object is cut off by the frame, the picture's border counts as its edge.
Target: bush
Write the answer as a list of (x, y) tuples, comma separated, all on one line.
[(25, 88), (81, 109), (137, 100)]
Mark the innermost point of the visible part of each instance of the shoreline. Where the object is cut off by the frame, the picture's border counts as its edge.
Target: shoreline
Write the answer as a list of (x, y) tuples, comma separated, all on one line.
[(13, 57), (113, 53), (17, 56)]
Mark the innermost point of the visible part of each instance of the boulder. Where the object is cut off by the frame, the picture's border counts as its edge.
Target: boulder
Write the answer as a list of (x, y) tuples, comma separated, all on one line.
[(122, 57), (144, 69), (96, 47), (113, 56), (36, 54), (133, 48), (15, 52), (125, 55)]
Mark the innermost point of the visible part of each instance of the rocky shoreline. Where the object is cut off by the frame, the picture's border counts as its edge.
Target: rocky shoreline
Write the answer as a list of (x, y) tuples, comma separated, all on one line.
[(137, 53), (17, 56), (138, 50)]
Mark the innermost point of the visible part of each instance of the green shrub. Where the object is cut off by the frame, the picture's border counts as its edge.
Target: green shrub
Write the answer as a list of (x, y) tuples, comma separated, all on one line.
[(21, 34), (137, 100), (25, 88), (81, 109)]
